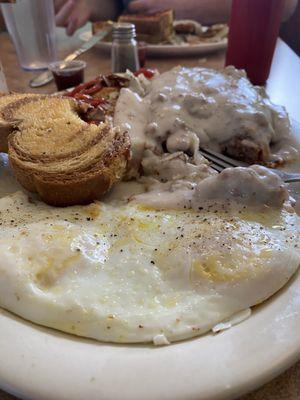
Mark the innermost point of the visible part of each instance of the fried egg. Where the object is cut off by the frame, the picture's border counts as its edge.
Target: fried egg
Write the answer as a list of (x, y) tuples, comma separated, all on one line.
[(128, 273)]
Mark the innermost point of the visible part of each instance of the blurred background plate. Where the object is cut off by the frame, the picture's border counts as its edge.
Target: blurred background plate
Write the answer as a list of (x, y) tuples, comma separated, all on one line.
[(163, 50)]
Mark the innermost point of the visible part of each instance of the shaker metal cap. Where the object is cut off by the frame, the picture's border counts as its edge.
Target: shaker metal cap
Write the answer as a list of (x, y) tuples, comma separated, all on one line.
[(123, 30)]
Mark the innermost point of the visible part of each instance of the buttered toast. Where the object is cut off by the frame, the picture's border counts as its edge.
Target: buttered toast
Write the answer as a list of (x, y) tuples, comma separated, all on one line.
[(7, 127), (58, 155), (154, 28)]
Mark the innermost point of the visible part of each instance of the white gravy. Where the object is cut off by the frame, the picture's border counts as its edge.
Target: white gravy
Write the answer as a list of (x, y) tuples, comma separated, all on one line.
[(187, 107), (216, 106)]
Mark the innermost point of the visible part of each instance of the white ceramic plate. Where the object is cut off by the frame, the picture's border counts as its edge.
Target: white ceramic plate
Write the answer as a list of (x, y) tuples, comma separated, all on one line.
[(168, 49), (42, 364)]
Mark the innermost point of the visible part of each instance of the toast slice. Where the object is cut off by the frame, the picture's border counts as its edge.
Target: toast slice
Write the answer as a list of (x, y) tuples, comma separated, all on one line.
[(55, 153), (153, 28), (7, 127)]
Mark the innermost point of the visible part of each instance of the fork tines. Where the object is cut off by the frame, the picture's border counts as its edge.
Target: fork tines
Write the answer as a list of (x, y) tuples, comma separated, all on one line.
[(219, 161)]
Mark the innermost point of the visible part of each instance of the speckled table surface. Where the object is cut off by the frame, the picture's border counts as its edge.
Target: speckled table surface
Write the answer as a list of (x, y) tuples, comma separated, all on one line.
[(286, 386)]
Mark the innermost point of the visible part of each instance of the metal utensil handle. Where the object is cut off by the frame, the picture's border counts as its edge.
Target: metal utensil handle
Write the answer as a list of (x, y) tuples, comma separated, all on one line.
[(289, 178), (74, 55), (41, 80)]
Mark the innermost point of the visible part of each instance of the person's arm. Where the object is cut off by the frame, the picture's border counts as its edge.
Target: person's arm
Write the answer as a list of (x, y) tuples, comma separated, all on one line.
[(204, 11), (72, 14)]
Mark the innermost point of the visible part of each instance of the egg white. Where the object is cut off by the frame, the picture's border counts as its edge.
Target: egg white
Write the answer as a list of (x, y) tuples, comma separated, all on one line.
[(133, 274)]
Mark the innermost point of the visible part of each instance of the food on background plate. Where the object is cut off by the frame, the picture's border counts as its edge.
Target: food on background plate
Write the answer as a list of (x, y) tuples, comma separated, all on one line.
[(161, 29), (155, 28), (193, 33), (177, 248), (56, 154)]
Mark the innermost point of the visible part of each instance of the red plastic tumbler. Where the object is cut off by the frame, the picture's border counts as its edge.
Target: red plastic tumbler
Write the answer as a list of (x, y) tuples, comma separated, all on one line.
[(254, 28)]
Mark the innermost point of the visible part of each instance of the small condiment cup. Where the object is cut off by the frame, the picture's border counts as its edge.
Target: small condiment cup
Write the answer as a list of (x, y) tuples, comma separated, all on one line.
[(67, 73)]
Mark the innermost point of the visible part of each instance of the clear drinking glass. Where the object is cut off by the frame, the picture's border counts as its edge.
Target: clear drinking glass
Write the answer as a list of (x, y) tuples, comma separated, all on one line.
[(3, 85), (31, 26)]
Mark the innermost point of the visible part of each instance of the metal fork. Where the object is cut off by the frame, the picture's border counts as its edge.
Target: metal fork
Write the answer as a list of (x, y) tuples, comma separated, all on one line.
[(219, 162)]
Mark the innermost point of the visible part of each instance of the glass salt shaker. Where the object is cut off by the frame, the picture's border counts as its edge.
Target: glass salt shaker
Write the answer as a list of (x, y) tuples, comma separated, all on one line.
[(124, 52)]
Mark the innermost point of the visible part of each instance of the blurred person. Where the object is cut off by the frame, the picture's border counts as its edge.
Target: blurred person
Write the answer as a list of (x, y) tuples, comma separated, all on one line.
[(72, 14), (204, 11)]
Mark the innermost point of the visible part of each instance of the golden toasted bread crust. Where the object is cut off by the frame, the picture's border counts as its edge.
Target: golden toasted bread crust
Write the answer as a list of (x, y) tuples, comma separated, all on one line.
[(7, 127), (153, 28), (55, 153)]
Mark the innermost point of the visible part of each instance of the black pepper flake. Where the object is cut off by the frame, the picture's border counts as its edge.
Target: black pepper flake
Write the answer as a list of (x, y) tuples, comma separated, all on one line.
[(88, 219), (141, 326), (152, 262)]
